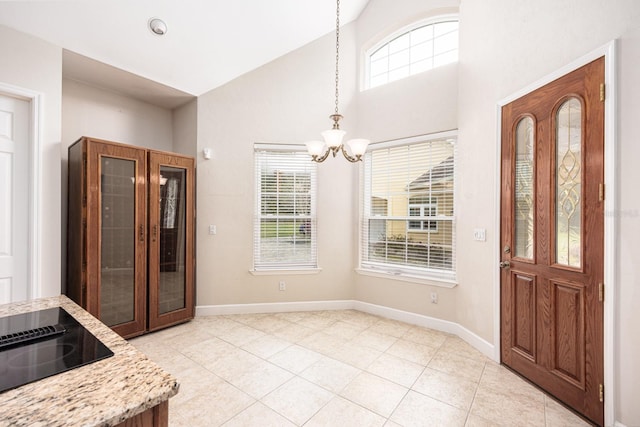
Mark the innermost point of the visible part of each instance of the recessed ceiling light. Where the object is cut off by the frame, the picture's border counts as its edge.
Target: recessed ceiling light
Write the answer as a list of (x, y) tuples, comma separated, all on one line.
[(157, 26)]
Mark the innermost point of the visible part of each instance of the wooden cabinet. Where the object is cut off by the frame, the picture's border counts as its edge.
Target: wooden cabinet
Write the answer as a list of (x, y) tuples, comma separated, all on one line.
[(130, 242)]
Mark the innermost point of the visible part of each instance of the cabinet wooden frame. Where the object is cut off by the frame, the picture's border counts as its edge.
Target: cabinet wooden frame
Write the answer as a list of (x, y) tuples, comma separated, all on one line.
[(85, 232)]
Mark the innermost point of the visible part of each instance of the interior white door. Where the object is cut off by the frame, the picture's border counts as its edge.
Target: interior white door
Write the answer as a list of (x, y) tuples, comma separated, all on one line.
[(14, 199)]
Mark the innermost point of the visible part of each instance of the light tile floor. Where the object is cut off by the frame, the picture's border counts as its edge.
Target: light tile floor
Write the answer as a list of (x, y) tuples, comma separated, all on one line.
[(338, 368)]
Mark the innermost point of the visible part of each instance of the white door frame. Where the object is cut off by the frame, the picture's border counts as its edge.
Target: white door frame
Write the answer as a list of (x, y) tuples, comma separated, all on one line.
[(34, 256), (610, 223)]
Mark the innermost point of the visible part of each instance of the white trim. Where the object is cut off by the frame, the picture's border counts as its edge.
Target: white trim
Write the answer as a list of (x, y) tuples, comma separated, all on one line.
[(619, 424), (34, 286), (427, 137), (274, 146), (282, 271), (272, 307), (474, 340), (610, 223)]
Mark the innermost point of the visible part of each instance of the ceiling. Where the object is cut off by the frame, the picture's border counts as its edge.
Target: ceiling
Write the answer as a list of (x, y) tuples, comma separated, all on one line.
[(208, 42)]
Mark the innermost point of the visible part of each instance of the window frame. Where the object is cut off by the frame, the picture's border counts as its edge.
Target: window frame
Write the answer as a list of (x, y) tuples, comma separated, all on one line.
[(408, 273), (368, 53), (260, 267)]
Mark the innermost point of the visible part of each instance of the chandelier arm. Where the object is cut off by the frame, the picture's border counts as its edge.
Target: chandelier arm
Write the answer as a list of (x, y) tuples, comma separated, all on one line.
[(320, 159), (352, 159)]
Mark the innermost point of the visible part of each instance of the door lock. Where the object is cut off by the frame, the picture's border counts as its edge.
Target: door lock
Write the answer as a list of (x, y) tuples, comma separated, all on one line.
[(505, 264)]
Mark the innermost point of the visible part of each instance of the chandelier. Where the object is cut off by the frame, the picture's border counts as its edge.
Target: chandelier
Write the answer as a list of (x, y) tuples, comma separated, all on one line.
[(332, 144)]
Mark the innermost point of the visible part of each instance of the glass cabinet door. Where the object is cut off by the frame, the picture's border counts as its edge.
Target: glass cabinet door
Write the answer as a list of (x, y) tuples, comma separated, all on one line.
[(117, 245), (171, 243), (117, 272)]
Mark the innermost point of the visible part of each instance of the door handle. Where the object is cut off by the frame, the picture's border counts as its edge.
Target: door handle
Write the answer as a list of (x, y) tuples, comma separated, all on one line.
[(505, 264)]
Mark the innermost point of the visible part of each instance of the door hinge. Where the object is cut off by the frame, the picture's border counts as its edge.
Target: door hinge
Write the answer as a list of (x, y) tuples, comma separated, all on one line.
[(602, 92), (601, 292), (601, 393), (601, 192)]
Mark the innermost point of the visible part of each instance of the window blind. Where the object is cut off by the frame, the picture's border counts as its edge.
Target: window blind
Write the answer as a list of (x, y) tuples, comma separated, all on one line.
[(408, 224), (285, 208)]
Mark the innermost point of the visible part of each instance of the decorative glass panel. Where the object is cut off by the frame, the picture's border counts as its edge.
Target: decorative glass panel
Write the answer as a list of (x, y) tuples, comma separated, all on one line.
[(117, 243), (524, 166), (173, 230), (569, 183)]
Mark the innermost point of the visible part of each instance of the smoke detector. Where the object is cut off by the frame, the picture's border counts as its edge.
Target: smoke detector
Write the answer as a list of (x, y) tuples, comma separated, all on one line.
[(157, 26)]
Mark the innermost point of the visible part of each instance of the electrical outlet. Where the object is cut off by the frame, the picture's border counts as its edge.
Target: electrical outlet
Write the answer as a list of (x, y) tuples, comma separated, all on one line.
[(283, 286), (213, 229), (480, 234), (434, 298)]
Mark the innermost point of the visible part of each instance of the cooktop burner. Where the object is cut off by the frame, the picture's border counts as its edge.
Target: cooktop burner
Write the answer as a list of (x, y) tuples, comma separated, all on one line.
[(43, 343)]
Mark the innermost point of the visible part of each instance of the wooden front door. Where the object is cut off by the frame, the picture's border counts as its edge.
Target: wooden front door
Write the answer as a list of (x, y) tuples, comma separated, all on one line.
[(552, 232)]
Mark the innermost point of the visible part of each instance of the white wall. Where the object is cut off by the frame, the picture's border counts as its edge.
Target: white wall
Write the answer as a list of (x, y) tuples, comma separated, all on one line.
[(505, 46), (32, 64)]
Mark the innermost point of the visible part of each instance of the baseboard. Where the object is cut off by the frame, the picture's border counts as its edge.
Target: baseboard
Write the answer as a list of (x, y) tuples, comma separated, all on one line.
[(274, 307), (619, 424), (391, 313), (474, 340)]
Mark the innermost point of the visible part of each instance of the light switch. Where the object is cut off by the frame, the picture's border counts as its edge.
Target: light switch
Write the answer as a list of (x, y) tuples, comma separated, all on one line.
[(212, 229), (480, 234)]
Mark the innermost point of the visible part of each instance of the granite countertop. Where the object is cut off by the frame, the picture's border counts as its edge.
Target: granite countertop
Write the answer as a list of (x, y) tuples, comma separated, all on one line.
[(103, 393)]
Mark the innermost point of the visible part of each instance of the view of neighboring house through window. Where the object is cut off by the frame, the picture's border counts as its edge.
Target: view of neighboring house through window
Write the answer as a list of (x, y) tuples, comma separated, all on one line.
[(285, 216), (418, 48), (408, 224)]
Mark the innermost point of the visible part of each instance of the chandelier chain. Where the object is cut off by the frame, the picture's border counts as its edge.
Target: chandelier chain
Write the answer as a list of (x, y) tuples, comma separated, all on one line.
[(337, 49)]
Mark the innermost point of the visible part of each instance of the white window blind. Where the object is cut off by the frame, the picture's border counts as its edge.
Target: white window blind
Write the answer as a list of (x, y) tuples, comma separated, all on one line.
[(408, 224), (285, 209)]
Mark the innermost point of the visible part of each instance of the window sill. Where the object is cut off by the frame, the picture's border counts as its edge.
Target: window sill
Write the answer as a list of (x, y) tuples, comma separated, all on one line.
[(405, 277), (285, 271)]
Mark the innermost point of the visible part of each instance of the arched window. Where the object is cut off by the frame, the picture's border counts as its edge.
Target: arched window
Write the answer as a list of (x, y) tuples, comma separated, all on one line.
[(420, 47)]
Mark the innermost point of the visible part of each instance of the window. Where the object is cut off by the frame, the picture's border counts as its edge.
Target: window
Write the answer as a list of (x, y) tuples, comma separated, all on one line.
[(423, 47), (285, 219), (423, 206), (408, 224)]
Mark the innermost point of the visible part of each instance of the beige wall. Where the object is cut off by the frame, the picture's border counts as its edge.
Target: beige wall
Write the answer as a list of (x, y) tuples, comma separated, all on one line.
[(30, 63), (421, 104), (98, 113), (627, 316), (286, 101), (185, 129), (504, 47)]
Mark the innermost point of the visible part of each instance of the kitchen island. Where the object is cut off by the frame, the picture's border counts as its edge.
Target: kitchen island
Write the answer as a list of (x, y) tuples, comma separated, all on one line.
[(125, 389)]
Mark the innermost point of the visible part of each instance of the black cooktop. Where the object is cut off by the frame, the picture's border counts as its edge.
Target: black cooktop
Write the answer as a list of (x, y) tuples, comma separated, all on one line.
[(43, 343)]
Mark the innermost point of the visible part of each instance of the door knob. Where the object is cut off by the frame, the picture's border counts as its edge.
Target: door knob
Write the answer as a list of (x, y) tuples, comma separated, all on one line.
[(505, 264)]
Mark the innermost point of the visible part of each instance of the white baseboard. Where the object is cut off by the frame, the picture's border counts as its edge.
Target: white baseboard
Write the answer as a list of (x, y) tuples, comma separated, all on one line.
[(619, 424), (273, 307), (391, 313), (474, 340)]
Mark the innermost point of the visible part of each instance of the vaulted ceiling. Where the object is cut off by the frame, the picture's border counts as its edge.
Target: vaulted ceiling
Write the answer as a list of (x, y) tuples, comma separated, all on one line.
[(207, 43)]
